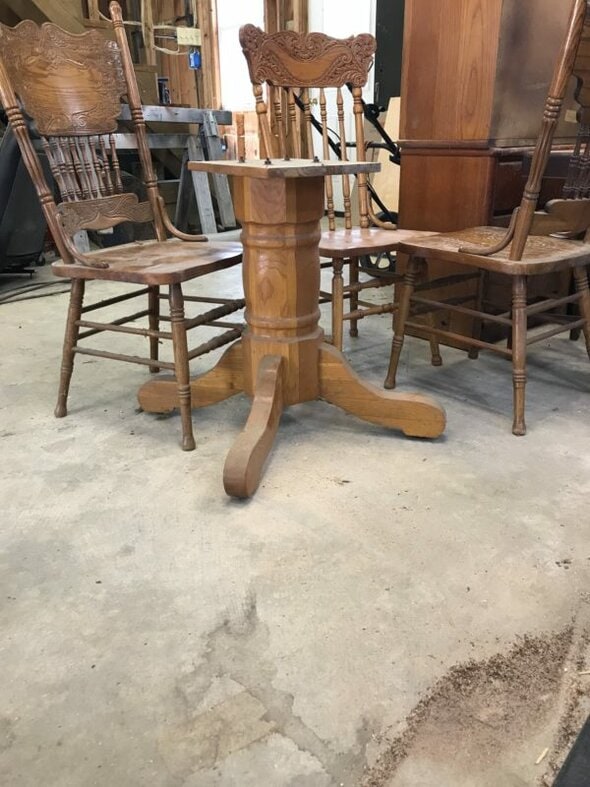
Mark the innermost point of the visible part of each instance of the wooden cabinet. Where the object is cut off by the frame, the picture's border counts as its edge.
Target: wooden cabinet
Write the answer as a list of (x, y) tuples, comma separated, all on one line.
[(474, 78)]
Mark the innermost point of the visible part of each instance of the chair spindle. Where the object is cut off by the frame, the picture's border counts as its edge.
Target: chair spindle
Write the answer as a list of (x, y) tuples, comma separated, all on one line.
[(294, 128), (344, 156), (326, 154)]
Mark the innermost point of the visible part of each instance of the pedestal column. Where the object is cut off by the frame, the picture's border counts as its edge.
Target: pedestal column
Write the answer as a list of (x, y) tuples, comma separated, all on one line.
[(280, 218)]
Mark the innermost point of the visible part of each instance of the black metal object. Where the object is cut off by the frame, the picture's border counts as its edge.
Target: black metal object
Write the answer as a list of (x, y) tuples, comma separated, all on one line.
[(389, 32), (575, 771), (22, 224), (372, 112)]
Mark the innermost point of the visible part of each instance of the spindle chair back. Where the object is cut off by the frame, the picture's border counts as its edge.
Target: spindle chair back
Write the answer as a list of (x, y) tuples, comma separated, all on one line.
[(69, 88), (301, 78)]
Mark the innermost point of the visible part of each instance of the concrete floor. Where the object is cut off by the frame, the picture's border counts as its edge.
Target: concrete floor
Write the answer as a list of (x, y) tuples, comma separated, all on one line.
[(155, 632)]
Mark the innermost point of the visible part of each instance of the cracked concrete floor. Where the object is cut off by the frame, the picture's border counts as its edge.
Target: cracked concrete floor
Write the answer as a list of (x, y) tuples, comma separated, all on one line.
[(155, 632)]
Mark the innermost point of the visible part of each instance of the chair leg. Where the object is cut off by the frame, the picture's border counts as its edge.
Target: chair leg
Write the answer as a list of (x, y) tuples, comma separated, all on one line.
[(478, 323), (519, 335), (353, 277), (70, 339), (337, 303), (435, 356), (154, 323), (401, 315), (573, 308), (581, 279), (181, 364)]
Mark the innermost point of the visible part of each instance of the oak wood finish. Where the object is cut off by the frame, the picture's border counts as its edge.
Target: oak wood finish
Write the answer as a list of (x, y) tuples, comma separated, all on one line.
[(456, 104), (292, 65), (527, 247), (246, 459), (292, 168), (282, 358), (71, 86)]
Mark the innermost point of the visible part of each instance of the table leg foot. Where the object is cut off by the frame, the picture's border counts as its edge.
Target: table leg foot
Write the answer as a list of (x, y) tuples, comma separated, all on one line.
[(245, 461), (225, 379), (414, 414)]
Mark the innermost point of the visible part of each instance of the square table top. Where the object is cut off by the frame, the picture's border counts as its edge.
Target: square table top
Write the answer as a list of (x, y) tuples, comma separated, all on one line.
[(281, 168)]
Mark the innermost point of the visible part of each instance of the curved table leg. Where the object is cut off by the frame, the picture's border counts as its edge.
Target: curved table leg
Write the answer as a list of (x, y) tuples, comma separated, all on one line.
[(245, 462), (415, 415), (225, 379)]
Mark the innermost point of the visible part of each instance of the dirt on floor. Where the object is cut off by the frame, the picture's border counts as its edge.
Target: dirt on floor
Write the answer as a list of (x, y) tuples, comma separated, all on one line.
[(508, 720)]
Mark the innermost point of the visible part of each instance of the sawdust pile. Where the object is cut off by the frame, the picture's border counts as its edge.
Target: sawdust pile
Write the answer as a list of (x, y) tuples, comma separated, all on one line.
[(478, 709)]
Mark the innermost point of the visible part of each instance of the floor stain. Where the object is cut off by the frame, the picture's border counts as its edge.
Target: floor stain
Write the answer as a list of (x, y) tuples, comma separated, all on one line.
[(483, 720), (237, 652)]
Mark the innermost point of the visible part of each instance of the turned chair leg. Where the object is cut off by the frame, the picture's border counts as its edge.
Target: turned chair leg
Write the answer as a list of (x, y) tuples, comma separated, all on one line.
[(353, 278), (70, 339), (581, 279), (435, 356), (154, 324), (573, 308), (337, 303), (478, 323), (181, 364), (519, 336), (401, 316)]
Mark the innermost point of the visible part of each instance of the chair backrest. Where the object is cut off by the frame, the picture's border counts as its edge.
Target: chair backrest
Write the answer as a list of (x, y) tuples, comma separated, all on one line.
[(71, 87), (571, 214), (291, 65)]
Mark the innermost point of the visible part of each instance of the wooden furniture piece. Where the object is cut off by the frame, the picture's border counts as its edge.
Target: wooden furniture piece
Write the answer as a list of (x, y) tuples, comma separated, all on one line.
[(282, 358), (536, 241), (71, 85), (474, 78), (169, 141), (292, 66)]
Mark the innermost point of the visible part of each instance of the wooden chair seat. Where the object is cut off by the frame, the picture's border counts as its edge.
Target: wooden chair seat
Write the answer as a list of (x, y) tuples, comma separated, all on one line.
[(155, 262), (359, 241), (542, 254)]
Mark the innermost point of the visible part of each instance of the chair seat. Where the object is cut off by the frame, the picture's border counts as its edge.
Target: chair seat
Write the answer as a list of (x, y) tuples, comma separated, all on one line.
[(542, 254), (155, 262), (357, 241)]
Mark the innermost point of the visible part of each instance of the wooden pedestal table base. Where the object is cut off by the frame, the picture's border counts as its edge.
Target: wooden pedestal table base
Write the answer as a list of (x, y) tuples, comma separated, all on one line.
[(413, 414), (282, 358)]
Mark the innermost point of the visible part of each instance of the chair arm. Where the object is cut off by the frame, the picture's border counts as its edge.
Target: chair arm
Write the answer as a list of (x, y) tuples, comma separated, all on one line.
[(486, 251), (172, 229), (83, 259), (385, 225)]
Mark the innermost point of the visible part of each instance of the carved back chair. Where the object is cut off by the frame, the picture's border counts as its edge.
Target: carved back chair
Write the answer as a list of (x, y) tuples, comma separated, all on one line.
[(537, 241), (294, 67), (71, 87)]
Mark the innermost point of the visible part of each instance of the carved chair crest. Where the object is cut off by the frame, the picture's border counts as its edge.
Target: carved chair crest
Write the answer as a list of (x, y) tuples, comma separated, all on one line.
[(70, 84), (289, 59), (290, 65)]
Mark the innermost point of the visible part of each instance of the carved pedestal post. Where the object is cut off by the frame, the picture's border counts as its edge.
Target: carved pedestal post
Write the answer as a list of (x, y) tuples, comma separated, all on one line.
[(281, 232)]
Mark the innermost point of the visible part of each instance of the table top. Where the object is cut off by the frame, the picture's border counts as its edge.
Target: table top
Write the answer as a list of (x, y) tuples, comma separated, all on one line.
[(279, 168)]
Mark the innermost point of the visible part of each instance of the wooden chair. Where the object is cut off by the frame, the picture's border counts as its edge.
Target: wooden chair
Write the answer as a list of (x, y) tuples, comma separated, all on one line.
[(71, 86), (292, 66), (536, 242)]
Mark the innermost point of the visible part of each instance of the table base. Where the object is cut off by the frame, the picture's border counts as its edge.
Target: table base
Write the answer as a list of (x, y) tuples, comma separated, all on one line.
[(413, 414)]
